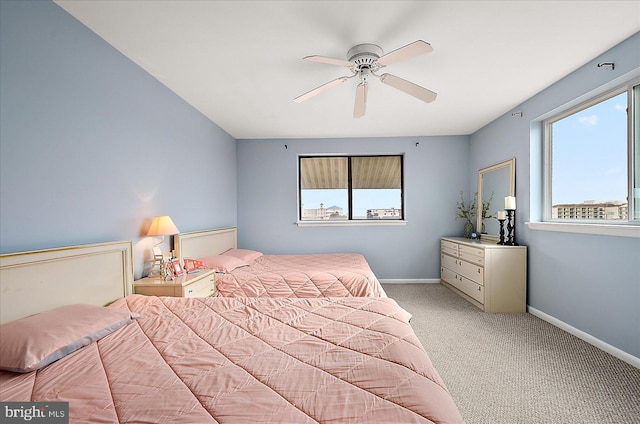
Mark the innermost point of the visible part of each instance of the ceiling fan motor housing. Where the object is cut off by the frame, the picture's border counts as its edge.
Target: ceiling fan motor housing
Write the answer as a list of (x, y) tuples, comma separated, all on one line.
[(364, 56)]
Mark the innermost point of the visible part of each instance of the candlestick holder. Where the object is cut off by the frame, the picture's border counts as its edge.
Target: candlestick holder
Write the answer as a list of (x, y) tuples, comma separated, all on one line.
[(511, 228), (501, 221)]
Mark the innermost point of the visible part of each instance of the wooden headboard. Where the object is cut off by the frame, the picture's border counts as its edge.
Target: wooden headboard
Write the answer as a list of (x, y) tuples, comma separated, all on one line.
[(32, 282), (199, 244)]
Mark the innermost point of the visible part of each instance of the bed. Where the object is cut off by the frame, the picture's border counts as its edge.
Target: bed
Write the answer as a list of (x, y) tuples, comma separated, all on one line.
[(201, 360), (248, 273)]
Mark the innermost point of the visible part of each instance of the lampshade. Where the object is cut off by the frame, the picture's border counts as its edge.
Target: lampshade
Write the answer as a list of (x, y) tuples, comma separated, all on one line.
[(162, 226)]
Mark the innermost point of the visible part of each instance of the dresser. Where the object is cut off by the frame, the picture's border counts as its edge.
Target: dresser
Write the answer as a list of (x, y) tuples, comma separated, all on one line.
[(491, 276), (197, 284)]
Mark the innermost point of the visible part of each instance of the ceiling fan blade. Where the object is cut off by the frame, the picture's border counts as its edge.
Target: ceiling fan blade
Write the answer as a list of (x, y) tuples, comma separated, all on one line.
[(408, 87), (361, 100), (320, 89), (410, 50), (330, 61)]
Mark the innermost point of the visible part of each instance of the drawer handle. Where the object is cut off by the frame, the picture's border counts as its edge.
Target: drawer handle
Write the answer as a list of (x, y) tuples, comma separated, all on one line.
[(190, 291), (478, 270), (478, 288)]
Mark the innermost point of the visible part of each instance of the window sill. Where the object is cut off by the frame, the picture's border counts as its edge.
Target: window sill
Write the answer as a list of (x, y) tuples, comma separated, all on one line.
[(619, 230), (362, 223)]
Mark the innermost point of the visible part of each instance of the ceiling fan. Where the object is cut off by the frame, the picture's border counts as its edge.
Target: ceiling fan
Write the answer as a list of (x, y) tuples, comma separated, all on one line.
[(363, 61)]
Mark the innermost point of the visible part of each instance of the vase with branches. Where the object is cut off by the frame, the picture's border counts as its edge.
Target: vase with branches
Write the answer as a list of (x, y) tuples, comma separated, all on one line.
[(466, 211)]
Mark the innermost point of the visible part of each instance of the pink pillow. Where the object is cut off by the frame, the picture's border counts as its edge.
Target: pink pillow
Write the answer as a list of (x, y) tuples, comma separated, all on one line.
[(222, 263), (36, 341), (245, 254)]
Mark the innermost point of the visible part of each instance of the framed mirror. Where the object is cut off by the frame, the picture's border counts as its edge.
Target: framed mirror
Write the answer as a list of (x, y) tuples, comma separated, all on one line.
[(495, 182)]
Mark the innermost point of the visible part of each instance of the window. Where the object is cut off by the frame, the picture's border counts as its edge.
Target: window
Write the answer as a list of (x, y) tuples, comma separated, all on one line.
[(592, 160), (349, 188)]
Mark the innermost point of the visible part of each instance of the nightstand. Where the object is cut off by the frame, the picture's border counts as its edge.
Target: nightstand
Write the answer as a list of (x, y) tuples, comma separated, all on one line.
[(198, 284)]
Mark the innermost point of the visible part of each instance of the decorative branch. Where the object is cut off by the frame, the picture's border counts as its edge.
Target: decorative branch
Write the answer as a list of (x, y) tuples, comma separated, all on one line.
[(466, 211)]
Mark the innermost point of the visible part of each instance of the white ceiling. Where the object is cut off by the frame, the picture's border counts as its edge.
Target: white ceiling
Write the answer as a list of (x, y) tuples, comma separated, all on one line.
[(240, 62)]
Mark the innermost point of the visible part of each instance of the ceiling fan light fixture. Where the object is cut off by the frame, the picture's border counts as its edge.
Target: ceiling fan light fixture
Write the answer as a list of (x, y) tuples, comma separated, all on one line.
[(365, 75)]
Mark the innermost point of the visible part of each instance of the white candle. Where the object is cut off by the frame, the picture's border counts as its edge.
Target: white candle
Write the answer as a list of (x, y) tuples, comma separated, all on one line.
[(509, 202), (502, 215)]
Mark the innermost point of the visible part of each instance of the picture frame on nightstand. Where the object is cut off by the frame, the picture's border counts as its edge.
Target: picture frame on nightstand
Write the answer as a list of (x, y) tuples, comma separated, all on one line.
[(168, 272), (177, 268), (190, 265)]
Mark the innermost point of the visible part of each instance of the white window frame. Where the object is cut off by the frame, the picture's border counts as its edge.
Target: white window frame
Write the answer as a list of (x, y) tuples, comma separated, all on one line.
[(627, 228)]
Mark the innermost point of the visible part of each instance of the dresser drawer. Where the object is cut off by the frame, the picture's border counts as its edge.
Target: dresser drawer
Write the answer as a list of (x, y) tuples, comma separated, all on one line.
[(471, 271), (449, 261), (448, 275), (204, 287), (449, 248), (472, 254), (157, 290), (468, 287)]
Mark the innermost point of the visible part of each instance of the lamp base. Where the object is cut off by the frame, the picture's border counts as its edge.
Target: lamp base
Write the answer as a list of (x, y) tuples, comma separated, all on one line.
[(159, 259), (157, 268)]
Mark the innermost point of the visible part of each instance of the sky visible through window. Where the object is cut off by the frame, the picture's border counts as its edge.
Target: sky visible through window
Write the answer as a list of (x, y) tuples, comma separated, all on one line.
[(590, 154)]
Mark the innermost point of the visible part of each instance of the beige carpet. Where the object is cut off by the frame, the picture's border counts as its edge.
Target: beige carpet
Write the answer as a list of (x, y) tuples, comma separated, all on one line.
[(517, 368)]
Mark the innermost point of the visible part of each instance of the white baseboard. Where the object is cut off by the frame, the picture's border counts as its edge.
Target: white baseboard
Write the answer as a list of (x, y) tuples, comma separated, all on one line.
[(411, 281), (612, 350)]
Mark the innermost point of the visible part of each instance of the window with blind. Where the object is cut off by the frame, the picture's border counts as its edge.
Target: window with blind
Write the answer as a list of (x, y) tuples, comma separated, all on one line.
[(343, 188)]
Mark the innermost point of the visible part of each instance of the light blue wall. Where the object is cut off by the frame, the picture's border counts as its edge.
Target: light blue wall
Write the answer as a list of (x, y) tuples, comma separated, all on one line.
[(92, 146), (434, 173), (590, 282)]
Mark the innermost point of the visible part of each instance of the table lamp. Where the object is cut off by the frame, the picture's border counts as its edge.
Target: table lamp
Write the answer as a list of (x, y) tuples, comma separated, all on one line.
[(160, 226)]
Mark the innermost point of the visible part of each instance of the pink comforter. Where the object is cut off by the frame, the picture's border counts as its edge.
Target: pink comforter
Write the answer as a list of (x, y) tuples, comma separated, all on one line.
[(248, 361), (319, 275)]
